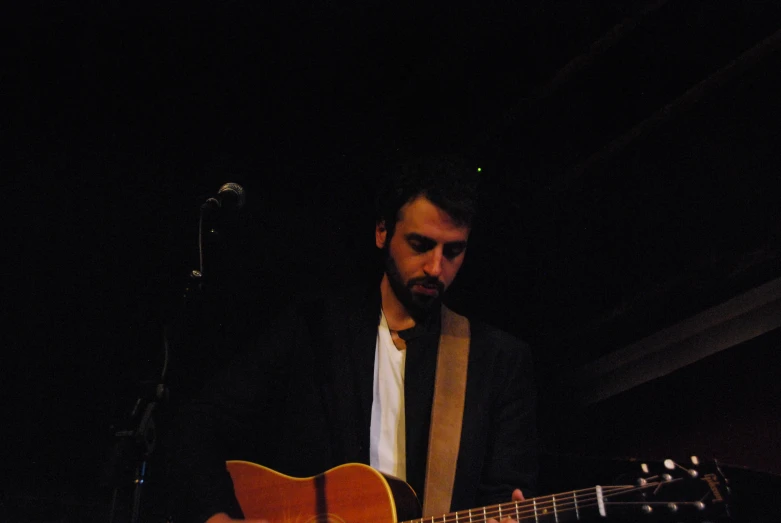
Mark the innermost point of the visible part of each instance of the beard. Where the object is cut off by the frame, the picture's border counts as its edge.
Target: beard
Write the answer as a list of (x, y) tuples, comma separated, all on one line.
[(417, 304)]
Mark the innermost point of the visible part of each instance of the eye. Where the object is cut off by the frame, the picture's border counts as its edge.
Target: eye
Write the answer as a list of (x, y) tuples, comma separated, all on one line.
[(453, 251), (419, 244)]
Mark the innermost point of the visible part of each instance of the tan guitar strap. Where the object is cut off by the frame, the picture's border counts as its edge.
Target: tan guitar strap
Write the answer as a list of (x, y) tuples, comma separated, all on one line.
[(446, 413)]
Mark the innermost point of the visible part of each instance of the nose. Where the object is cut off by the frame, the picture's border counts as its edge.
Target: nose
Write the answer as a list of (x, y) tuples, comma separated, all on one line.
[(433, 266)]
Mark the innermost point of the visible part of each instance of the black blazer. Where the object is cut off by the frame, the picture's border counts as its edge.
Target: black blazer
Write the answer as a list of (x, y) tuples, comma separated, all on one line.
[(300, 403)]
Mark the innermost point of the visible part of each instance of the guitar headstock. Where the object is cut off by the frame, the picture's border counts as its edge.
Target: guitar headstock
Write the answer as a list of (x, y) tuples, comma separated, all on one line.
[(671, 491)]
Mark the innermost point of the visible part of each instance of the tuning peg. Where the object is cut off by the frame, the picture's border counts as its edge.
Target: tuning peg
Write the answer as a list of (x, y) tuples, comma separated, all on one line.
[(671, 465), (644, 468), (695, 460)]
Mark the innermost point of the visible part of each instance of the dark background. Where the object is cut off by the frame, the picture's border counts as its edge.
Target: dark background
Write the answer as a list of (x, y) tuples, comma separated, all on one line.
[(629, 154)]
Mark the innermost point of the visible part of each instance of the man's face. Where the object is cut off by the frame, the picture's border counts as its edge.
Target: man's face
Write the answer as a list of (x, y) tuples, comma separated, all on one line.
[(424, 254)]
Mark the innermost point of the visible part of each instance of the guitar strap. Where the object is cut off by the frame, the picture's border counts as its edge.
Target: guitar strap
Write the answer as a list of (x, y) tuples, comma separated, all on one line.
[(446, 413)]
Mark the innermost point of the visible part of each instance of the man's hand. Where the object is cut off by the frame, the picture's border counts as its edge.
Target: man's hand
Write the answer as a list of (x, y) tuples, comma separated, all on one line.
[(222, 517), (517, 496)]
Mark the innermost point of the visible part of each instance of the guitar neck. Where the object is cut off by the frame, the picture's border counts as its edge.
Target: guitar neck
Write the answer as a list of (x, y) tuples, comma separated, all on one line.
[(558, 508), (585, 503)]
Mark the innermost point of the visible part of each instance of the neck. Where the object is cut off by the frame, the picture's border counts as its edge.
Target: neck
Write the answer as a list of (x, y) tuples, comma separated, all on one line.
[(396, 314)]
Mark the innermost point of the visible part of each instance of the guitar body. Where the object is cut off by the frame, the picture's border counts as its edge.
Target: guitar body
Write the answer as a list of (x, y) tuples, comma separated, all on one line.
[(352, 493)]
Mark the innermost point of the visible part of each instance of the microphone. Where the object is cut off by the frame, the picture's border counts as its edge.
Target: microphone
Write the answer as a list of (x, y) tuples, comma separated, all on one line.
[(230, 196)]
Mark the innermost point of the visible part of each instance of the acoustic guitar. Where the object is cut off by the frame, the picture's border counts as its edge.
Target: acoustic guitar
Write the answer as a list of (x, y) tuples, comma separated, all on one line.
[(356, 493)]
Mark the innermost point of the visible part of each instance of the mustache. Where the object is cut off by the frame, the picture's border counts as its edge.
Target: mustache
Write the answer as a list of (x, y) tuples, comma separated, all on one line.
[(428, 281)]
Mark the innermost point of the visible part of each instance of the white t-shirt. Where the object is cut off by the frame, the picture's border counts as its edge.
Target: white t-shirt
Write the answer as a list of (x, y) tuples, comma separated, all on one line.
[(388, 451)]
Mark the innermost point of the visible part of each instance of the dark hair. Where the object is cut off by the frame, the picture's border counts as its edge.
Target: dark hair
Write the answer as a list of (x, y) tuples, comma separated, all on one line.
[(447, 181)]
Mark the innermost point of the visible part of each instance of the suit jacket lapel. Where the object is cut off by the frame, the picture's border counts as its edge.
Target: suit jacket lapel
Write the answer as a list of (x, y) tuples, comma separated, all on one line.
[(348, 330), (362, 326)]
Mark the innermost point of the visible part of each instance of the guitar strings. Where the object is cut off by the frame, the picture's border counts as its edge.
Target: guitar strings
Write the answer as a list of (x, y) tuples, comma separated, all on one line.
[(547, 505), (550, 505), (566, 502), (541, 506), (518, 510)]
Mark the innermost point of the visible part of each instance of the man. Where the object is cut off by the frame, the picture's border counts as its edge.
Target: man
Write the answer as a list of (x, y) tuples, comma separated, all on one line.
[(350, 377)]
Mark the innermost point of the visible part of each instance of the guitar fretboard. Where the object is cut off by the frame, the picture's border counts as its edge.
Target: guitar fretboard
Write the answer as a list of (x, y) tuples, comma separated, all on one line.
[(562, 507)]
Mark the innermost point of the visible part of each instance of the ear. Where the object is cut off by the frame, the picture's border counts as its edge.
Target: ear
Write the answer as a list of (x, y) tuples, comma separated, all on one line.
[(380, 234)]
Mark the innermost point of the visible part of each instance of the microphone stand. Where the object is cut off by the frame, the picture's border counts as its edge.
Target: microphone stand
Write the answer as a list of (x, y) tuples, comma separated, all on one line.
[(136, 441), (147, 433)]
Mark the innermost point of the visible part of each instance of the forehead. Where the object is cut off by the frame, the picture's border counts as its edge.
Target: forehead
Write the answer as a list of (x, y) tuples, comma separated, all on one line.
[(421, 216)]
